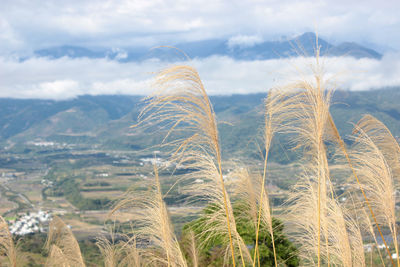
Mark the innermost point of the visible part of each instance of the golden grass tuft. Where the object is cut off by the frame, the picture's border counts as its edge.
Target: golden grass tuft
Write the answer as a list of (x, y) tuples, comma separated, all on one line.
[(62, 246), (384, 140), (110, 251), (122, 253), (376, 177), (182, 105), (189, 242), (326, 233), (153, 224), (250, 191), (7, 246)]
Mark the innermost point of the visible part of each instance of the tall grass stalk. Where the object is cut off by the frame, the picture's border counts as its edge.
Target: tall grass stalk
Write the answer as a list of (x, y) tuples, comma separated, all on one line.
[(309, 122), (181, 104), (311, 126), (133, 254), (109, 250), (251, 196), (356, 240), (153, 224), (57, 257), (384, 140), (370, 228), (189, 243), (277, 108), (62, 245), (342, 145), (377, 180), (121, 253), (387, 144), (7, 246)]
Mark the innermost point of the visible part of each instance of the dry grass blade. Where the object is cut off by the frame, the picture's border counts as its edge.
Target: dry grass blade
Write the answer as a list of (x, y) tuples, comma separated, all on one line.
[(302, 213), (189, 243), (367, 225), (255, 201), (278, 110), (7, 246), (182, 105), (109, 250), (339, 233), (123, 253), (311, 127), (266, 215), (384, 140), (61, 241), (326, 231), (356, 242), (377, 180), (57, 258), (153, 223), (213, 226), (133, 256), (244, 189), (336, 137)]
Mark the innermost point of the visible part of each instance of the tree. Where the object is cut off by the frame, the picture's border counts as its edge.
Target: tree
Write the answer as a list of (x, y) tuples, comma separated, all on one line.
[(210, 249)]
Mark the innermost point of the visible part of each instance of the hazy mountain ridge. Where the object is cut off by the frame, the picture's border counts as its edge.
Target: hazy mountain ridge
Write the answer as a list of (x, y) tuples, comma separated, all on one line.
[(302, 45)]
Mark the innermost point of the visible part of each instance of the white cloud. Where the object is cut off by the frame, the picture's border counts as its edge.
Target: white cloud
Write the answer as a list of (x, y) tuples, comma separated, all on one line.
[(66, 78), (119, 53), (244, 40), (36, 24)]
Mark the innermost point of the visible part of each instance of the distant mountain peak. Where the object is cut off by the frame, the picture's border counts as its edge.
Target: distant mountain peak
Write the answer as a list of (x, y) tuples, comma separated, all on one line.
[(304, 44)]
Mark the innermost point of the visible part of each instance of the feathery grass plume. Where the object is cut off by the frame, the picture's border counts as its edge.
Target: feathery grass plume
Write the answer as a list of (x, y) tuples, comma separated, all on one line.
[(356, 241), (336, 232), (213, 223), (244, 190), (123, 253), (387, 144), (7, 246), (311, 124), (153, 223), (345, 239), (339, 233), (57, 258), (365, 223), (189, 243), (110, 251), (278, 111), (133, 256), (334, 134), (303, 215), (384, 140), (256, 204), (61, 241), (377, 180), (182, 105), (266, 218)]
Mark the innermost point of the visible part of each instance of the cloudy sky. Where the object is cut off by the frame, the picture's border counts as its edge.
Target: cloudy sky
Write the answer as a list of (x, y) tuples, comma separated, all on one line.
[(35, 24)]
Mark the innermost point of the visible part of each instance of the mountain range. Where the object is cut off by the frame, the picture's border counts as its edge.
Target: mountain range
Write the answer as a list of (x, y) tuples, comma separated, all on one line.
[(105, 121), (304, 44)]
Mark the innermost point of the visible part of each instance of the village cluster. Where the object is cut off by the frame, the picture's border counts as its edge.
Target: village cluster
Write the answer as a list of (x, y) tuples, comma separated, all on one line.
[(30, 223)]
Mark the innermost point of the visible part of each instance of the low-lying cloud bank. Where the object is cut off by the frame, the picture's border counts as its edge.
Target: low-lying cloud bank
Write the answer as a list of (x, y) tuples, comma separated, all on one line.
[(67, 78)]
